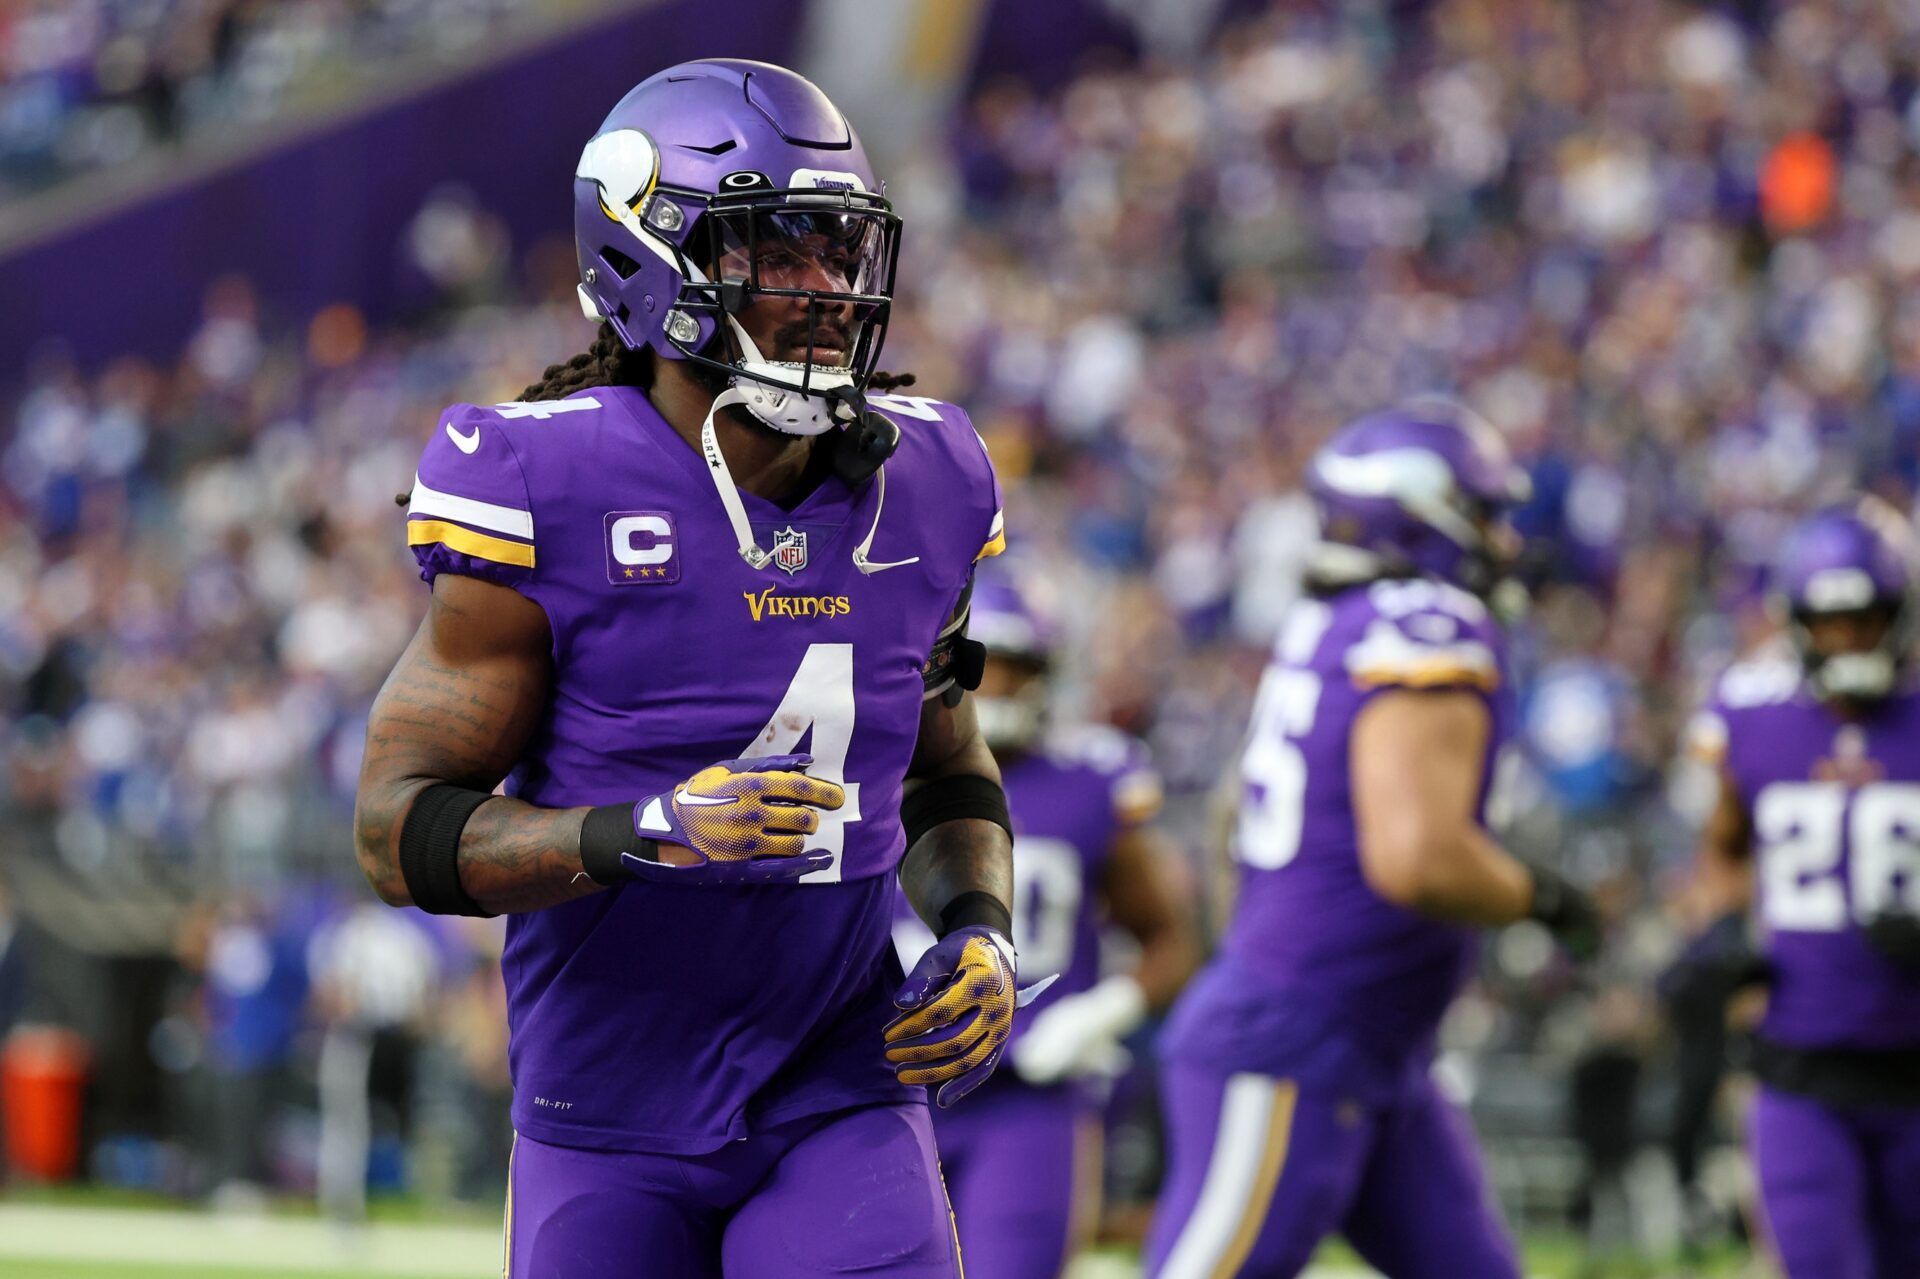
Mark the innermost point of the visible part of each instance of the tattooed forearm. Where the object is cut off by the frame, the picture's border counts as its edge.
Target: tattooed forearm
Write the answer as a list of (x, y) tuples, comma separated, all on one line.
[(960, 856), (516, 857), (955, 858), (459, 708)]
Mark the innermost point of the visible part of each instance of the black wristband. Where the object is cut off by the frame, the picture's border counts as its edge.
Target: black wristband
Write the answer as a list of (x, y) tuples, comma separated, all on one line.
[(951, 799), (1553, 897), (605, 833), (976, 906), (430, 849)]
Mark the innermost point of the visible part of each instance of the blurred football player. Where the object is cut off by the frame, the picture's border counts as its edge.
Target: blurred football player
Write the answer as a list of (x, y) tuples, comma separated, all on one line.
[(1022, 1159), (698, 602), (1296, 1085), (1818, 752)]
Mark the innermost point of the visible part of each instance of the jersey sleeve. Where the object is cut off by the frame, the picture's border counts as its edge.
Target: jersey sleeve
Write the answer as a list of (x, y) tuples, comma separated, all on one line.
[(967, 467), (1706, 735), (469, 513), (1743, 692), (1450, 644), (1136, 789)]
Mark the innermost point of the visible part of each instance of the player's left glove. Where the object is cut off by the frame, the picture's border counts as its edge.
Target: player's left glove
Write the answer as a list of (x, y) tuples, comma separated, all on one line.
[(958, 1005), (1078, 1036), (1568, 913)]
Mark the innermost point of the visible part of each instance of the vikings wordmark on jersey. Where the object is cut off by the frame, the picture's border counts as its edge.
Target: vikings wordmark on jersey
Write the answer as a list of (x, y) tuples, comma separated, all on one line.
[(571, 503)]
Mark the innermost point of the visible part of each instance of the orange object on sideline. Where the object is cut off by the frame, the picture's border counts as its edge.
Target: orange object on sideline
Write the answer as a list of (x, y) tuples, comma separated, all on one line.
[(1798, 182), (43, 1079)]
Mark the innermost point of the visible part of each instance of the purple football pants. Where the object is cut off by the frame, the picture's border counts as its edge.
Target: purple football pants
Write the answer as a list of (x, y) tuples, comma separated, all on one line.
[(852, 1192), (1840, 1185), (1261, 1170), (1023, 1167)]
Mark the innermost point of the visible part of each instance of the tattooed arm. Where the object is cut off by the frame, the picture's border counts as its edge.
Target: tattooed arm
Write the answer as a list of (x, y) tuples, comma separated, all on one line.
[(459, 708)]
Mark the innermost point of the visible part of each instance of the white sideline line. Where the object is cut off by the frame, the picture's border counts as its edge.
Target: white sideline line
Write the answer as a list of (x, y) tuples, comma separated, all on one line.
[(263, 1244)]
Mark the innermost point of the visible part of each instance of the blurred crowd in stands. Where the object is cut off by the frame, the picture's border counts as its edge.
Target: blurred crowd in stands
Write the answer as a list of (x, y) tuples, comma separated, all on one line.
[(1668, 248), (87, 84)]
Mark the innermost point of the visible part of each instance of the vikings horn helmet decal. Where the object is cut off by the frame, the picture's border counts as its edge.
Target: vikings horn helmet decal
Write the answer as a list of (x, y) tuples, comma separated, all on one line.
[(1419, 489)]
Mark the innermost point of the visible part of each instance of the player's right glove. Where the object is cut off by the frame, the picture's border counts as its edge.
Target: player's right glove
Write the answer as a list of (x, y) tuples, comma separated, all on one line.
[(745, 821), (1568, 913)]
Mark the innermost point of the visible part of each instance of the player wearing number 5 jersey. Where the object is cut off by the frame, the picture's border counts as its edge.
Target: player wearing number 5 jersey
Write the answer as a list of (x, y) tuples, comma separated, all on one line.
[(1818, 825), (1022, 1158), (1296, 1085), (698, 604)]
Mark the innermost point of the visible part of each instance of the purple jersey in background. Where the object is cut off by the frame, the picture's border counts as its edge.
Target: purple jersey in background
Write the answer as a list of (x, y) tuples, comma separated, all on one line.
[(670, 1019), (1069, 801), (1835, 806), (1319, 978)]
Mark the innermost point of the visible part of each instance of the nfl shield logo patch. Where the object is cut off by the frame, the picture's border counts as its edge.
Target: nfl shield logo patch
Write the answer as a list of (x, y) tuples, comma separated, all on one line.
[(790, 550)]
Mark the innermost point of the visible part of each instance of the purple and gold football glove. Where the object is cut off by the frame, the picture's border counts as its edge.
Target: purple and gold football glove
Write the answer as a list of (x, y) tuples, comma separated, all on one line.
[(958, 1007), (745, 820)]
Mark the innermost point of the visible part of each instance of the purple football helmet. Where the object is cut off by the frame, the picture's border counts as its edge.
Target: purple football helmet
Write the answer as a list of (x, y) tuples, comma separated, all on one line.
[(1845, 560), (1416, 489), (1004, 620), (718, 182)]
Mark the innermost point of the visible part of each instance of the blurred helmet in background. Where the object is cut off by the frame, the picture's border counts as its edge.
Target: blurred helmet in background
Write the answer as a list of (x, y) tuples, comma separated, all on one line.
[(682, 203), (1421, 489), (1012, 700), (1849, 561)]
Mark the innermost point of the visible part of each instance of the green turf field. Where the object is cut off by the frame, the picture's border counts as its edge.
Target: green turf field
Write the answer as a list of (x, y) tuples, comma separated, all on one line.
[(71, 1236)]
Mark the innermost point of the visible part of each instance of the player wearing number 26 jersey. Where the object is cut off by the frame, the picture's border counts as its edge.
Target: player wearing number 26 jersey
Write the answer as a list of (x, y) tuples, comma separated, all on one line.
[(698, 609), (1818, 825), (1022, 1158), (1296, 1083)]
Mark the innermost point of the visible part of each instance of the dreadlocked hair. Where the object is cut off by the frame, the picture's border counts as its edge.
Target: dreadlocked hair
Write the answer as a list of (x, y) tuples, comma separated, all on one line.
[(610, 362), (607, 362)]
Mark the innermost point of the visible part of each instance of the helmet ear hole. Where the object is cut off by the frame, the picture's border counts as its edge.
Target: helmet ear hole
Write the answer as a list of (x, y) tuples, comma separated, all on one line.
[(622, 265)]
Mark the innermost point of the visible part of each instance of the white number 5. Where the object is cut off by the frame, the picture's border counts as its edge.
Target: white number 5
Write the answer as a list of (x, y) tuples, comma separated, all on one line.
[(1274, 772)]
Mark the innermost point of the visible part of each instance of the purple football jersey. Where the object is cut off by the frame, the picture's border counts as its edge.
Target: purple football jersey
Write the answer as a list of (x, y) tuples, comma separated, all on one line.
[(1835, 809), (658, 1018), (1314, 960), (1069, 801)]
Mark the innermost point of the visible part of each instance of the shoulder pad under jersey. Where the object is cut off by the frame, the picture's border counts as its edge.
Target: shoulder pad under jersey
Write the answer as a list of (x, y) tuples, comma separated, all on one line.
[(470, 512), (1427, 635), (1122, 763), (945, 431)]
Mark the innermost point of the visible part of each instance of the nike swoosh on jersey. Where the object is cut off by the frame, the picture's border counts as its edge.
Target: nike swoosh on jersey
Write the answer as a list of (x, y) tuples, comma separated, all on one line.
[(465, 443)]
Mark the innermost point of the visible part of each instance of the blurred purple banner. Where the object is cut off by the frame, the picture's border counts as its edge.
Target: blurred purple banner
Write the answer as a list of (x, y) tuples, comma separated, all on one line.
[(323, 218)]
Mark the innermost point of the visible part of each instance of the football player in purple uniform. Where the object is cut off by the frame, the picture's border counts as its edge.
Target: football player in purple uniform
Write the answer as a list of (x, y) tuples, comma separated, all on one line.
[(697, 612), (1296, 1080), (1817, 831), (1023, 1158)]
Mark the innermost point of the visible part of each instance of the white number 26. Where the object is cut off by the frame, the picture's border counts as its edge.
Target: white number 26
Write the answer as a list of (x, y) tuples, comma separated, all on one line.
[(1798, 826)]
